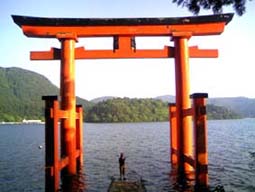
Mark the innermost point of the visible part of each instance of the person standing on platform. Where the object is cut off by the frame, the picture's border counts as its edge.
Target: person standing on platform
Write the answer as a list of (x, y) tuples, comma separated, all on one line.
[(122, 166)]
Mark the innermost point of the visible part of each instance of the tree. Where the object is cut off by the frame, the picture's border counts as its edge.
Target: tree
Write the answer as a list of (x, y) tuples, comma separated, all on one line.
[(215, 5)]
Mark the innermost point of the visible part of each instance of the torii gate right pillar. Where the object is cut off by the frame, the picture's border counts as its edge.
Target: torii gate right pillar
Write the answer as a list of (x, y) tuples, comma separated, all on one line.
[(184, 122)]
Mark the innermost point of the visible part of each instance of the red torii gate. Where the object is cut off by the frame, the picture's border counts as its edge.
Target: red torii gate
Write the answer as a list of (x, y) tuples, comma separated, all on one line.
[(124, 31)]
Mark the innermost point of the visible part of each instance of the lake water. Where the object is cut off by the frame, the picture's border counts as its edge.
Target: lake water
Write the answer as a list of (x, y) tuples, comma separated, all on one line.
[(146, 145)]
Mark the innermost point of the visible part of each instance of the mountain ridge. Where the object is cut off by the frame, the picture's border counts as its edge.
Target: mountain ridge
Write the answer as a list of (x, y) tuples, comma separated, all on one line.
[(242, 105), (21, 92)]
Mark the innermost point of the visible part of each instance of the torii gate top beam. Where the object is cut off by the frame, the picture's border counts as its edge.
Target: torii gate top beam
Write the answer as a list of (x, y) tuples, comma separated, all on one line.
[(85, 27)]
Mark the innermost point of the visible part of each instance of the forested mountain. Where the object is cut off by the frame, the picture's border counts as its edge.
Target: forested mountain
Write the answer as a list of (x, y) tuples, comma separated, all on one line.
[(240, 105), (21, 94), (145, 110), (128, 110), (100, 99), (218, 112)]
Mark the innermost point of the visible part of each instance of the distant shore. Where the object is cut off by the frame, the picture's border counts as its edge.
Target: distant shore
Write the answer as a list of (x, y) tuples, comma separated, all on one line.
[(22, 122)]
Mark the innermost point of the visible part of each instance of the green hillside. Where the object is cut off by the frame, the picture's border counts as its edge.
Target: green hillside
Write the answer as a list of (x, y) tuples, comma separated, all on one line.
[(128, 110), (219, 112), (243, 105), (143, 110), (21, 92)]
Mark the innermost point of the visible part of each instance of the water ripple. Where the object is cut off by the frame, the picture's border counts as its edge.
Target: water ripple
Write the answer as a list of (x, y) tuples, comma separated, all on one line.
[(146, 145)]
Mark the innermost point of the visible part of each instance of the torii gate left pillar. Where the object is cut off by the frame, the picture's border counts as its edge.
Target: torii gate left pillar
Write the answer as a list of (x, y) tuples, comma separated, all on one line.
[(68, 101)]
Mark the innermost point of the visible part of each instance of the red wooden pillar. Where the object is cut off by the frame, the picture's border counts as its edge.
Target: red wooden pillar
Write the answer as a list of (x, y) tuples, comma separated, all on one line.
[(79, 135), (51, 144), (68, 101), (173, 135), (184, 128), (200, 130)]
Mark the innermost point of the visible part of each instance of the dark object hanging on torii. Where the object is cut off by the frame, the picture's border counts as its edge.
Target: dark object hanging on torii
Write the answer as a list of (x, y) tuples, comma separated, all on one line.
[(123, 31)]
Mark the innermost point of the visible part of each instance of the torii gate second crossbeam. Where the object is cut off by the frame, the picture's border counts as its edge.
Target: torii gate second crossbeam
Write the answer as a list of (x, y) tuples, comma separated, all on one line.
[(123, 31)]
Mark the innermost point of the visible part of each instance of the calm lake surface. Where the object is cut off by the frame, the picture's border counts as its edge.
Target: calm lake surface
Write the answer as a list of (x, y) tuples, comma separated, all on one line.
[(146, 145)]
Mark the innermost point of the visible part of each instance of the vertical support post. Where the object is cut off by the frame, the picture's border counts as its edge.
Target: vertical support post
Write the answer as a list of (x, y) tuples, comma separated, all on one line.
[(200, 129), (185, 133), (79, 135), (68, 102), (51, 144), (173, 135)]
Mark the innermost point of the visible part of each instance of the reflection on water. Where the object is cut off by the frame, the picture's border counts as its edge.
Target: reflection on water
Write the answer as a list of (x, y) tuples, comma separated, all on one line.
[(75, 183), (146, 145)]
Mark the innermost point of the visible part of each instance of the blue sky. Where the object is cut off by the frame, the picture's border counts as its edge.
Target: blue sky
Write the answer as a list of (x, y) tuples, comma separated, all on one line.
[(230, 75)]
